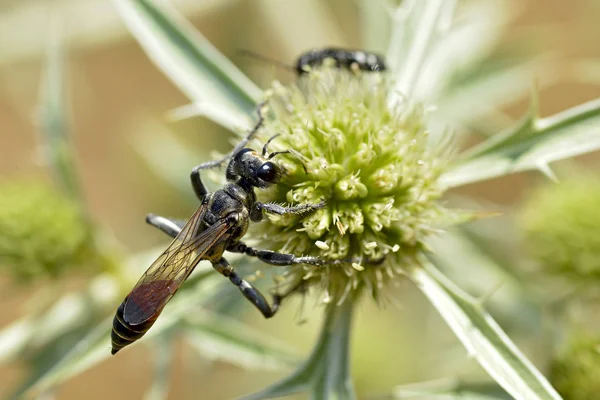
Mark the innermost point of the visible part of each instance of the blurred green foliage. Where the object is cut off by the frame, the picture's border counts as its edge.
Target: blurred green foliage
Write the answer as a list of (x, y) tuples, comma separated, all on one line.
[(42, 231), (575, 373), (561, 225)]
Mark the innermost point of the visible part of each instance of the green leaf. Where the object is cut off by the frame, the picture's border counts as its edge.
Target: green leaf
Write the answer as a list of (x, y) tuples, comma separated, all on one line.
[(450, 389), (416, 27), (167, 157), (104, 30), (453, 251), (86, 353), (95, 346), (493, 89), (220, 337), (163, 356), (532, 144), (482, 337), (193, 64), (69, 313), (43, 338), (326, 373), (495, 281), (463, 45), (53, 117)]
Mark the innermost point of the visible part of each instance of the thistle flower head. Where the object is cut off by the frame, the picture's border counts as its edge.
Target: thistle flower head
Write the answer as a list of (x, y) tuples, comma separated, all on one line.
[(561, 224), (42, 232), (575, 373), (373, 165)]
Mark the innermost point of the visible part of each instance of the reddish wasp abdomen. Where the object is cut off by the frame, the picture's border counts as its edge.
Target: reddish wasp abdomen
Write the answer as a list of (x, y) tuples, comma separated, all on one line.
[(124, 334), (139, 307)]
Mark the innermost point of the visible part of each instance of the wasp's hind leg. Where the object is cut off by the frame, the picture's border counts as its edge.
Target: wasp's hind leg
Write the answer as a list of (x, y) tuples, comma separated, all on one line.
[(171, 227), (249, 291)]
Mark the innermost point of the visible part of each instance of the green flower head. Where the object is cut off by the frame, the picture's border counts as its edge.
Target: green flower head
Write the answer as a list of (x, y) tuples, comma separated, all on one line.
[(575, 373), (372, 163), (42, 232), (561, 225)]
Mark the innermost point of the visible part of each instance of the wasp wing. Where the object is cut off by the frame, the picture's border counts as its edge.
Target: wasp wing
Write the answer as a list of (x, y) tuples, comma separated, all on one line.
[(160, 282)]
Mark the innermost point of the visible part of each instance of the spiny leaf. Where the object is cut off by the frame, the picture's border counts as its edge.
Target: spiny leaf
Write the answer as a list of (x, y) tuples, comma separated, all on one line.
[(166, 156), (326, 373), (493, 88), (95, 346), (416, 27), (450, 389), (220, 337), (482, 337), (163, 356), (462, 46), (531, 144), (53, 117), (66, 315), (493, 282), (192, 63)]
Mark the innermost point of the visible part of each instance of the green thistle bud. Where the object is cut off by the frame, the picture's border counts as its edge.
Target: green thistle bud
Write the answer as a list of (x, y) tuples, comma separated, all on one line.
[(42, 232), (575, 374), (561, 225), (374, 166)]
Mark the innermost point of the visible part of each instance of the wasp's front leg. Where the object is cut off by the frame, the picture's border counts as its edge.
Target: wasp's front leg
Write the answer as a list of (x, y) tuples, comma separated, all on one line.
[(272, 208)]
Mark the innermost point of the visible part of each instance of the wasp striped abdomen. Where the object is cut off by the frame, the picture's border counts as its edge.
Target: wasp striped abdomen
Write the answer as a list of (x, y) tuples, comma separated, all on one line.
[(124, 334)]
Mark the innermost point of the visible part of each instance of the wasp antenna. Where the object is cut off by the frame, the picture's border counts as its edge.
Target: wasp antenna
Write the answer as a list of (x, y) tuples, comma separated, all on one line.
[(260, 57), (266, 146), (296, 154)]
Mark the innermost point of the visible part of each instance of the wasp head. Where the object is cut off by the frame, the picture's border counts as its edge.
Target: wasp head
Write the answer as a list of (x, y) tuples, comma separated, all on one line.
[(254, 168)]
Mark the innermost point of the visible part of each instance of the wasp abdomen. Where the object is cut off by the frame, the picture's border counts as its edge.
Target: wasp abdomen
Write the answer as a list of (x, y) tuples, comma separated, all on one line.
[(123, 334)]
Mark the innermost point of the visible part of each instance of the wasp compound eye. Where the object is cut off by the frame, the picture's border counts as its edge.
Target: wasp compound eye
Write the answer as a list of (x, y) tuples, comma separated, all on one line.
[(269, 172)]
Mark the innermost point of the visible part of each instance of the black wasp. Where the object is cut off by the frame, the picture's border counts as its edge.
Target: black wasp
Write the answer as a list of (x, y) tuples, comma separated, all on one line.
[(218, 225), (342, 58)]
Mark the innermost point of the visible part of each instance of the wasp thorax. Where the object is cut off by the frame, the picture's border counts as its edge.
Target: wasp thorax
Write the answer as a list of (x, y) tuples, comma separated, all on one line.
[(374, 166)]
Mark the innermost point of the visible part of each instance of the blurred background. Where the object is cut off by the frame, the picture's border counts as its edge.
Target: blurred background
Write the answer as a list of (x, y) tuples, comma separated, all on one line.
[(118, 105)]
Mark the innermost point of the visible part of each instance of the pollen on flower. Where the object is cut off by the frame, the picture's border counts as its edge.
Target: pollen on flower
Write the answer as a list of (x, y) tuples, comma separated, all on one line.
[(322, 245), (374, 165)]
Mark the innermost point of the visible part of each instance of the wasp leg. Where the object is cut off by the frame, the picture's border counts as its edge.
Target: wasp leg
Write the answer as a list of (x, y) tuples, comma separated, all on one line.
[(199, 187), (257, 212), (283, 259), (171, 227), (249, 291)]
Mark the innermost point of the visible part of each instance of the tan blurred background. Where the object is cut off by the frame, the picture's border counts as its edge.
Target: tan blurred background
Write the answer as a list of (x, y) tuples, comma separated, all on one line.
[(117, 93)]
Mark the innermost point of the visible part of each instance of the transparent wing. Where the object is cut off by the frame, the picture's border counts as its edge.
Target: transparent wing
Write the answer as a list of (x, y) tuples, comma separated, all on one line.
[(160, 282)]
